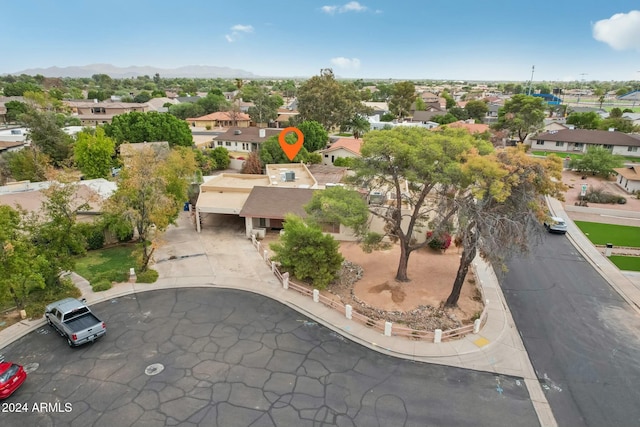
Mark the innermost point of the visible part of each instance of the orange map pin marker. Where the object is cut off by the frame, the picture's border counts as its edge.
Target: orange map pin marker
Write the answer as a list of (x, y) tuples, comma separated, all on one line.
[(291, 150)]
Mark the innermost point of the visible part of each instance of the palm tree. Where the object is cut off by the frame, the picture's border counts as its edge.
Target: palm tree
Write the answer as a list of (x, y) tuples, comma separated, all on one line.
[(359, 125)]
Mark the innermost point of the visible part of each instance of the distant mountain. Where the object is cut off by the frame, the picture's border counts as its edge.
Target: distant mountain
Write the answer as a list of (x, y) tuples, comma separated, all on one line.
[(193, 71)]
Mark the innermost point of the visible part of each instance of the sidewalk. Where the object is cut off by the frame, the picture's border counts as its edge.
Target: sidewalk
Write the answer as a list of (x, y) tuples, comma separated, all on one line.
[(223, 259)]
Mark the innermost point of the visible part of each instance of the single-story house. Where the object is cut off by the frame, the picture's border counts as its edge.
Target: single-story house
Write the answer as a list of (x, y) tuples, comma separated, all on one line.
[(9, 146), (628, 178), (221, 119), (227, 193), (470, 126), (30, 196), (578, 140), (426, 116), (244, 139), (266, 207), (342, 147)]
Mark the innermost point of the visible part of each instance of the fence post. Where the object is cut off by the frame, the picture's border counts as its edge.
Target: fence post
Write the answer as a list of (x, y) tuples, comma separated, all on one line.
[(132, 275), (258, 244), (273, 267), (253, 239), (387, 329), (285, 280), (437, 336), (476, 326), (266, 255), (316, 295), (348, 310)]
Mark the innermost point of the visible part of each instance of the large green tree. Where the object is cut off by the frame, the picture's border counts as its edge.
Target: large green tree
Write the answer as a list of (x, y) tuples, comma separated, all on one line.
[(499, 211), (339, 205), (521, 115), (315, 136), (403, 94), (307, 252), (15, 109), (28, 164), (329, 102), (477, 109), (23, 268), (150, 194), (271, 152), (152, 126), (586, 120), (265, 108), (47, 136), (187, 110), (411, 165), (597, 161), (93, 153)]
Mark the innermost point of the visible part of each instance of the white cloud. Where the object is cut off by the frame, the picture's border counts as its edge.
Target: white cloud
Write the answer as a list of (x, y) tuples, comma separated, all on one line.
[(352, 6), (236, 31), (346, 63), (621, 31), (243, 28)]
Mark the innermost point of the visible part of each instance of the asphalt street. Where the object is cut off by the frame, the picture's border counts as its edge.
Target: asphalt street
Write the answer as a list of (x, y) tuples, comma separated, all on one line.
[(214, 357), (582, 337)]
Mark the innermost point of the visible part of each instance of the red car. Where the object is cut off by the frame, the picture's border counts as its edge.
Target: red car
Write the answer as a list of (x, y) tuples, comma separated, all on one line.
[(11, 377)]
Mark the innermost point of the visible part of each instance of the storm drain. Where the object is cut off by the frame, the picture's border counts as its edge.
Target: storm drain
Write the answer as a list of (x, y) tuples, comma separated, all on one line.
[(154, 369)]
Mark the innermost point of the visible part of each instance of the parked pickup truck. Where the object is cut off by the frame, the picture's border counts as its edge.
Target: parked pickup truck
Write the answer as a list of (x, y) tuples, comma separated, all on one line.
[(74, 321)]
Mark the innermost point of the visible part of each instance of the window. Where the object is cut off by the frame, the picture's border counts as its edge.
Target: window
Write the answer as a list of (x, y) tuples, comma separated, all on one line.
[(219, 143), (559, 144), (632, 149), (607, 147), (263, 222), (330, 227), (539, 142), (227, 143)]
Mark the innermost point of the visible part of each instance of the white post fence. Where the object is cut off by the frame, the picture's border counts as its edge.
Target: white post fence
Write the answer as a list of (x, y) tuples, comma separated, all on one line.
[(387, 328)]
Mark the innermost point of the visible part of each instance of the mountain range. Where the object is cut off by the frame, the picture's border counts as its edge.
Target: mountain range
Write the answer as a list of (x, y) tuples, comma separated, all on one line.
[(192, 71)]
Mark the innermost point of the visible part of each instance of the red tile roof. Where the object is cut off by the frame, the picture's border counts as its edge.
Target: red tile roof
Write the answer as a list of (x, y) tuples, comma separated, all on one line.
[(350, 144), (471, 127), (221, 116)]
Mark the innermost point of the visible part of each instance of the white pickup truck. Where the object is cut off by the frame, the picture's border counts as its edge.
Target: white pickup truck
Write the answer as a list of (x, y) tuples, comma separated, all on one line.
[(74, 321)]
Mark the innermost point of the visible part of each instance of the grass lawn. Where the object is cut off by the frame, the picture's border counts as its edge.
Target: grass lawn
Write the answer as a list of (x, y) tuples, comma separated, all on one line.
[(629, 263), (112, 264), (618, 235)]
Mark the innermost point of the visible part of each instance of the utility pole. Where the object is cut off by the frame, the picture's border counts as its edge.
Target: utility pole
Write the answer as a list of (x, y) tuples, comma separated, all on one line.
[(533, 67), (581, 85)]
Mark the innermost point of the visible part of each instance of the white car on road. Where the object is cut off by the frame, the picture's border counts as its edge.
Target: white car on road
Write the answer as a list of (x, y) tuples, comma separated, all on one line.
[(555, 224)]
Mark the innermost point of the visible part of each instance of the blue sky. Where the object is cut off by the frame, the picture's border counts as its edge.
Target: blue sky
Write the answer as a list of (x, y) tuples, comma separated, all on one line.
[(402, 39)]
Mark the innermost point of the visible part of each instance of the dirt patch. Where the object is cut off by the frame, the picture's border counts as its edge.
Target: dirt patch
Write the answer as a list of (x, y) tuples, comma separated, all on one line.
[(396, 291), (9, 318), (367, 282), (575, 180)]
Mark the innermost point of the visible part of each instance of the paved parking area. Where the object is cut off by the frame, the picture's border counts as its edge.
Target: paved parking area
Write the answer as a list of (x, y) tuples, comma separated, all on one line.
[(215, 357)]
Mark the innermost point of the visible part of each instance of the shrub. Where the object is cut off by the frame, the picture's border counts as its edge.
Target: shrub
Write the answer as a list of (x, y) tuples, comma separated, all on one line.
[(208, 127), (93, 234), (439, 243), (147, 276), (598, 195), (101, 285)]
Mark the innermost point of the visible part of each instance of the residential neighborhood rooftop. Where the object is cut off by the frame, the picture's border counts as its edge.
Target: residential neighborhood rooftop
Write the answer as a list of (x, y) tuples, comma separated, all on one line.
[(589, 136), (275, 203)]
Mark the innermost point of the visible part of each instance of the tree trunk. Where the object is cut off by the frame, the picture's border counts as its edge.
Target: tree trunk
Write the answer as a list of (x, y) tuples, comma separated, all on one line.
[(463, 269), (401, 274)]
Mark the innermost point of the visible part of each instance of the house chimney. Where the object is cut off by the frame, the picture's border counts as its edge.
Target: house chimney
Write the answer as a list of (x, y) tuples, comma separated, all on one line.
[(95, 100), (612, 129), (262, 133)]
